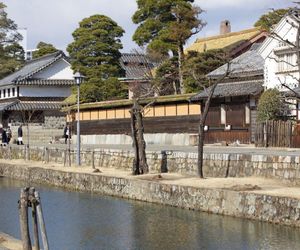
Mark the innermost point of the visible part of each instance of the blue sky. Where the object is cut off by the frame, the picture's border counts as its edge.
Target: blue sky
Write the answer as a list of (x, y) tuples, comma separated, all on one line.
[(54, 21)]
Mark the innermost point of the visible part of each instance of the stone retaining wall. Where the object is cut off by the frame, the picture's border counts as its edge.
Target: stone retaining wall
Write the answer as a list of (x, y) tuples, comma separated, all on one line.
[(262, 207), (286, 168)]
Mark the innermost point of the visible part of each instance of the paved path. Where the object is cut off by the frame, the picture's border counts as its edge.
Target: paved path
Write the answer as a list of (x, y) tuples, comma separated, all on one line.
[(242, 149)]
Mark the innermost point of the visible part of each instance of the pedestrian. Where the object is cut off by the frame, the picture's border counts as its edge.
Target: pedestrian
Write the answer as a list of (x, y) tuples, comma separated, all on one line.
[(4, 137), (8, 134), (66, 133), (20, 135)]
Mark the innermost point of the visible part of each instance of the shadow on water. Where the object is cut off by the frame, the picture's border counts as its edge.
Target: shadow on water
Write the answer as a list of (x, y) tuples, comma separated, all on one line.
[(89, 221)]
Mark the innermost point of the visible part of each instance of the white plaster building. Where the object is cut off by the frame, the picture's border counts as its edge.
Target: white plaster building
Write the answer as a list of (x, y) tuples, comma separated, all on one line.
[(279, 51), (280, 56), (39, 86)]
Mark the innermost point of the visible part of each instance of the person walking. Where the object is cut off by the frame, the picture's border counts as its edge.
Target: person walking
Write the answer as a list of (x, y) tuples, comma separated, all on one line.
[(20, 135), (66, 133), (8, 134), (4, 137)]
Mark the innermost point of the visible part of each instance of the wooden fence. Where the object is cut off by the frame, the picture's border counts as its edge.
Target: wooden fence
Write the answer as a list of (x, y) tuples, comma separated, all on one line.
[(274, 134)]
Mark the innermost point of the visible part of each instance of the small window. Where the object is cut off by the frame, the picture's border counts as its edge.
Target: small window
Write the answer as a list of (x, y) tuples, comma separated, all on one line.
[(0, 94), (8, 93), (13, 92), (4, 93)]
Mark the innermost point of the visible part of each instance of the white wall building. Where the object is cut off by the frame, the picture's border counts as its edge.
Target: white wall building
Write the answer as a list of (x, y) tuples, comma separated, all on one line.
[(281, 69), (40, 86), (280, 56)]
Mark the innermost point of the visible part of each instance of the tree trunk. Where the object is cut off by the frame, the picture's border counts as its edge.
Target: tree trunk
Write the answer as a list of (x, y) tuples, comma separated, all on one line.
[(141, 142), (135, 165), (140, 165), (201, 130), (180, 73)]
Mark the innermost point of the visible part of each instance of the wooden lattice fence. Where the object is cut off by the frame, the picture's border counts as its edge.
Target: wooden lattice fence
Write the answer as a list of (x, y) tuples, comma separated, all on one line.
[(274, 134)]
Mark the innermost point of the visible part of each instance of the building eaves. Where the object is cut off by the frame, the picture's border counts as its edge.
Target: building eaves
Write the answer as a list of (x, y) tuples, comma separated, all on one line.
[(46, 82), (129, 103), (34, 105), (243, 88)]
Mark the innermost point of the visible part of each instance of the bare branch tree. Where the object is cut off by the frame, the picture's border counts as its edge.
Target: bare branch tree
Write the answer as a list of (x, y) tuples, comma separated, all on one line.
[(203, 117)]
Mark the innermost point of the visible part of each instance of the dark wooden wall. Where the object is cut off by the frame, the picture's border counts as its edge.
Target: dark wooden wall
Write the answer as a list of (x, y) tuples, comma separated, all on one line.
[(167, 124), (171, 124)]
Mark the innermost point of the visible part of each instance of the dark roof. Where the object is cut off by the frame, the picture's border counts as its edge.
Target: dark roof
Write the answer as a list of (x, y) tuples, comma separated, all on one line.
[(244, 88), (30, 105), (46, 82), (249, 63), (136, 66), (4, 105), (32, 67)]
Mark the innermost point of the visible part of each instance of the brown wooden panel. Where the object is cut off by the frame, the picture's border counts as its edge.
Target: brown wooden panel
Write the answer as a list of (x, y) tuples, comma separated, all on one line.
[(170, 124), (235, 114), (215, 136), (214, 116)]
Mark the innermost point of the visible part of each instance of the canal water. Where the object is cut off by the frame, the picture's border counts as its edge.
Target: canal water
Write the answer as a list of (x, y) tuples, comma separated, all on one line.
[(90, 222)]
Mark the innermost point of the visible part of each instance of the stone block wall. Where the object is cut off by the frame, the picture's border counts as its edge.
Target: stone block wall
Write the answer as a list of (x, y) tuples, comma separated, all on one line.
[(286, 168), (54, 119), (283, 210)]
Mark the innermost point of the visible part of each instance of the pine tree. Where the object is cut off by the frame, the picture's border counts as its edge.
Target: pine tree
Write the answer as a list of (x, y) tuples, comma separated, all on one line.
[(95, 53), (165, 25), (11, 53), (43, 49)]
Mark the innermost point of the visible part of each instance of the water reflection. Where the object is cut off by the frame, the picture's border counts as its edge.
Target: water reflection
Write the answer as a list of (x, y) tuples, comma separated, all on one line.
[(89, 221)]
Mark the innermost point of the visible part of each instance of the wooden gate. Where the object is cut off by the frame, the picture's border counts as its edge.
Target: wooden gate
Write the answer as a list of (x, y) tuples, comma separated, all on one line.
[(274, 134)]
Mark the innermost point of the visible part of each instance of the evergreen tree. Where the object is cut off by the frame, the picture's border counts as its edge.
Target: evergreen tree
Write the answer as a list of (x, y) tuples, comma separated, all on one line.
[(268, 20), (11, 59), (270, 105), (95, 53), (198, 65), (165, 25), (43, 49), (11, 53)]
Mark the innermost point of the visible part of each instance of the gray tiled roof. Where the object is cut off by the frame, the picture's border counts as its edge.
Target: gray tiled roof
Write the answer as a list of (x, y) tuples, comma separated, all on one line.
[(232, 89), (136, 66), (34, 105), (45, 82), (249, 63), (4, 105), (31, 67)]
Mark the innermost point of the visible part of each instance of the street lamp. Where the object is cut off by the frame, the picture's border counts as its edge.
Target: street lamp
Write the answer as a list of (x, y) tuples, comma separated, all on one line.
[(78, 80)]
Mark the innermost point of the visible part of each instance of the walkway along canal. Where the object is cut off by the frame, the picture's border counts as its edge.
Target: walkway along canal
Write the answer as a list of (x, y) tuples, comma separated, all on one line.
[(87, 221)]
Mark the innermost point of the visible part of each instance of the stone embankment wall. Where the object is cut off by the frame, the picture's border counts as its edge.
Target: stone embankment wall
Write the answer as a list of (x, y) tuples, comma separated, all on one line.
[(286, 168), (262, 207)]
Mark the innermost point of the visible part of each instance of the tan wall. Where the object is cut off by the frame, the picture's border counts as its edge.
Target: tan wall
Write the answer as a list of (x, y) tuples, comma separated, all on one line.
[(94, 115), (156, 111)]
